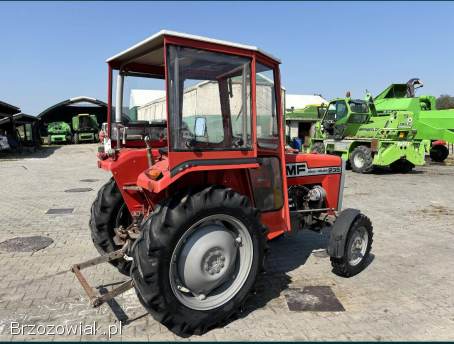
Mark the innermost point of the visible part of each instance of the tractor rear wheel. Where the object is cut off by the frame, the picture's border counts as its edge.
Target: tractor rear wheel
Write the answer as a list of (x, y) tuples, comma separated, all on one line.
[(318, 147), (439, 153), (357, 248), (361, 160), (197, 259), (401, 166), (108, 212)]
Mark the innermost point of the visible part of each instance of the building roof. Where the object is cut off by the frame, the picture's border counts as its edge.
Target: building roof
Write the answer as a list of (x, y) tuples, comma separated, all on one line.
[(22, 117), (81, 99), (7, 110), (151, 48), (300, 101)]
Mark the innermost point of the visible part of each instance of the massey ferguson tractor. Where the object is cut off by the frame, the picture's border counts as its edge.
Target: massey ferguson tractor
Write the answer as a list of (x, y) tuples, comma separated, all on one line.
[(191, 204)]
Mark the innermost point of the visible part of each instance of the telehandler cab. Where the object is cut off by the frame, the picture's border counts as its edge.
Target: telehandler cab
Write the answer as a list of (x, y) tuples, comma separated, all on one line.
[(188, 211)]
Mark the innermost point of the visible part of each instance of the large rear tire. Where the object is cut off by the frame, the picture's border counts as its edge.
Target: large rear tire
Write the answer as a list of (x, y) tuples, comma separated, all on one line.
[(357, 248), (361, 160), (439, 153), (108, 212), (197, 259)]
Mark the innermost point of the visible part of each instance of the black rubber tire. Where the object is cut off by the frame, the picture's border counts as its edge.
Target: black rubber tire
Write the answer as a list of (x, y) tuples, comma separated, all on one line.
[(341, 266), (109, 211), (76, 139), (153, 250), (439, 153), (401, 166), (366, 153), (318, 147)]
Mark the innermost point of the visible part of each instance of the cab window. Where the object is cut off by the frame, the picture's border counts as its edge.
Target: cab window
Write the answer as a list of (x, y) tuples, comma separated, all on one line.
[(267, 121), (341, 110), (336, 111), (209, 100)]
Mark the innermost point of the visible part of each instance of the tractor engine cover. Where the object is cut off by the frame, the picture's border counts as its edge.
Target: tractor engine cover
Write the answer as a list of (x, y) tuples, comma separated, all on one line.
[(326, 171)]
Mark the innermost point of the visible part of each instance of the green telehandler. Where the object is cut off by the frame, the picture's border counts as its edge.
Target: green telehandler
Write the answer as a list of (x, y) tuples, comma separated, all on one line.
[(352, 129), (434, 127), (85, 127), (58, 132)]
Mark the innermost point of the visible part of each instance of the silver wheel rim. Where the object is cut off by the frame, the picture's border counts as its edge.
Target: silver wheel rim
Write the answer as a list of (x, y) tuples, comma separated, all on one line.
[(358, 160), (211, 262), (357, 246)]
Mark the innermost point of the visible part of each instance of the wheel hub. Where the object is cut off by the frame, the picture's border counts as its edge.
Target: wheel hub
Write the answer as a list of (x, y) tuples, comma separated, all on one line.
[(211, 262), (358, 160), (207, 259), (214, 262), (358, 246)]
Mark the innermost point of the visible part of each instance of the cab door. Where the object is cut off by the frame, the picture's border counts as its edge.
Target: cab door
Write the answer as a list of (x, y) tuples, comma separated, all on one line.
[(269, 183)]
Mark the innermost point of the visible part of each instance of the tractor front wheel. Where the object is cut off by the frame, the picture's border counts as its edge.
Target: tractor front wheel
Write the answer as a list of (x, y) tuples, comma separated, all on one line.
[(76, 139), (439, 153), (361, 160), (108, 212), (197, 259), (357, 248)]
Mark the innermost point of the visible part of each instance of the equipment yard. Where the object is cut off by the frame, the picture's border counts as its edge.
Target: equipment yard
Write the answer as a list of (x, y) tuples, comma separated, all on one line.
[(404, 294)]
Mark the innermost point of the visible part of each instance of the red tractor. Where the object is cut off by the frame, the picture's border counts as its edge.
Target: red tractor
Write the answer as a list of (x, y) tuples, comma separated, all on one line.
[(194, 199)]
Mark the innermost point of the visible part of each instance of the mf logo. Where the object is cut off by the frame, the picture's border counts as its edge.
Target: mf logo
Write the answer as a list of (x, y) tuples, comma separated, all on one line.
[(300, 169), (295, 170)]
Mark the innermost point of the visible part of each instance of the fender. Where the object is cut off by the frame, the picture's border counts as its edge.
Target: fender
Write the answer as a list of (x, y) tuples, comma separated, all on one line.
[(339, 232)]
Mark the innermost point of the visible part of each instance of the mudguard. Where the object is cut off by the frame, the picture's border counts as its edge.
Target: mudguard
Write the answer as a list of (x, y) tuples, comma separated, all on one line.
[(339, 232)]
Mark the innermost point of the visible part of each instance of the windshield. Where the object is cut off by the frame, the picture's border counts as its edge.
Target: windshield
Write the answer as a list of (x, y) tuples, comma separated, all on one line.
[(358, 107), (143, 108), (211, 90), (336, 111)]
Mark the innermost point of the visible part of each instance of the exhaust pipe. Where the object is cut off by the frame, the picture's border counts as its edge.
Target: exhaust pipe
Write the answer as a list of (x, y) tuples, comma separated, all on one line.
[(119, 106)]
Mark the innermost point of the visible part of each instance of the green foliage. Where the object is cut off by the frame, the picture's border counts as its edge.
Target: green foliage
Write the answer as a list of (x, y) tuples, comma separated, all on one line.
[(445, 101)]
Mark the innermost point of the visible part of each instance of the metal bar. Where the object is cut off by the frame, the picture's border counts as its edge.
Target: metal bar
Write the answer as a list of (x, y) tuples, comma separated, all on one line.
[(84, 283), (101, 259), (95, 299), (99, 300), (311, 210)]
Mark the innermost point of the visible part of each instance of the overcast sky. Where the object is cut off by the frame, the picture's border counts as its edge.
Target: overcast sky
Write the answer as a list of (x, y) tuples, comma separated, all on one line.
[(53, 51)]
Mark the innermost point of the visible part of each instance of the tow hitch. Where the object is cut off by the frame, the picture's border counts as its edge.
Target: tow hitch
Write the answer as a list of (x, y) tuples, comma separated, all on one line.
[(97, 299)]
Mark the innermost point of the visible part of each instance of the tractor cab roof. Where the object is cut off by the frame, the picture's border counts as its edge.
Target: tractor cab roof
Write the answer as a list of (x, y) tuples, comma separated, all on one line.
[(150, 51)]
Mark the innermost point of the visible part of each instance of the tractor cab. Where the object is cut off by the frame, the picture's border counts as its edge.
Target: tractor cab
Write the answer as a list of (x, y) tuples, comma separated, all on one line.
[(344, 116), (218, 110)]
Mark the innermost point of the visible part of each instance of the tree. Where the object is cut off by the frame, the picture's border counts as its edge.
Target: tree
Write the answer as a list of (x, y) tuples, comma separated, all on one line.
[(445, 101)]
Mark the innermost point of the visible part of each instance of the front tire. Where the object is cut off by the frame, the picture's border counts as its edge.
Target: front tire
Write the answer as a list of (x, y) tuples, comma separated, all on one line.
[(361, 160), (357, 248), (439, 153), (187, 270), (108, 212)]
